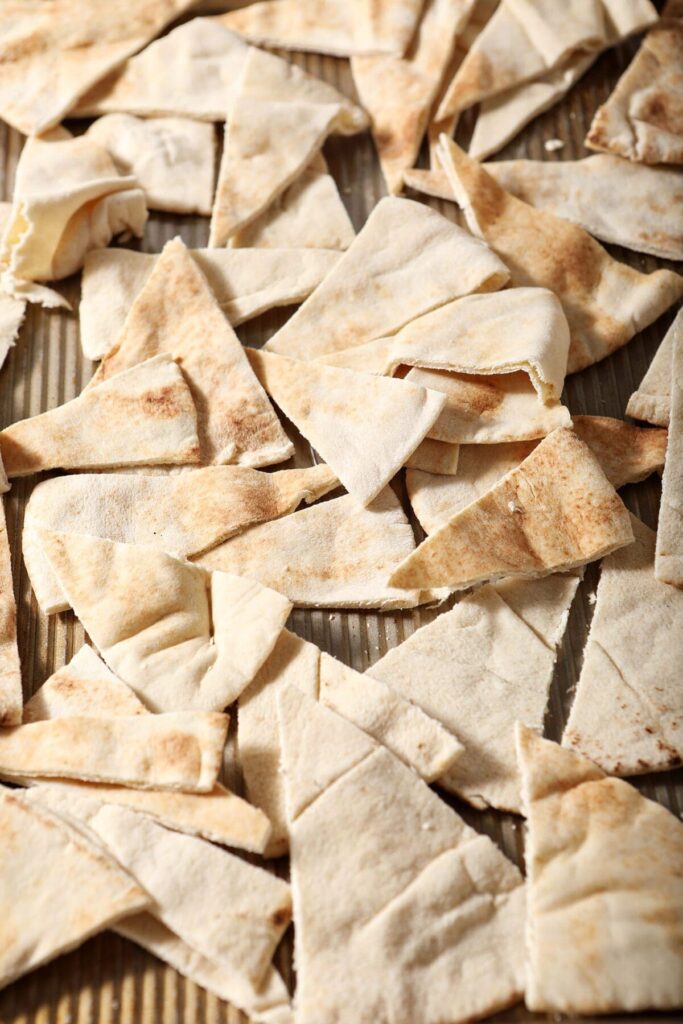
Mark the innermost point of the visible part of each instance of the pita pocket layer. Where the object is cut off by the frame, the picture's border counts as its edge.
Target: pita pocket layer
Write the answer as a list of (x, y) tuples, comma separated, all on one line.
[(237, 914), (11, 698), (244, 283), (142, 416), (435, 457), (191, 72), (180, 637), (652, 399), (605, 302), (50, 57), (176, 312), (669, 555), (555, 512), (643, 118), (336, 27), (605, 895), (364, 426), (403, 935), (375, 288), (628, 709), (333, 555), (56, 887), (478, 669)]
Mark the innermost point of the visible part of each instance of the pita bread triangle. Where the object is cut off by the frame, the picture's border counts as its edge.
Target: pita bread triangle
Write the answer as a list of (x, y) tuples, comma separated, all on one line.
[(48, 863), (605, 302), (180, 637), (652, 399), (143, 416), (176, 312), (11, 697), (669, 554), (357, 957), (598, 852), (330, 406)]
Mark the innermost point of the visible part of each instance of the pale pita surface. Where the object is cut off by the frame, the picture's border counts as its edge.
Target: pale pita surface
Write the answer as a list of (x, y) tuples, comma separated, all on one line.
[(176, 312), (56, 888), (605, 895), (180, 637), (363, 426), (652, 399), (142, 416), (12, 311), (555, 512), (183, 515), (438, 457), (605, 302), (375, 289), (10, 669), (669, 555), (244, 282), (398, 937)]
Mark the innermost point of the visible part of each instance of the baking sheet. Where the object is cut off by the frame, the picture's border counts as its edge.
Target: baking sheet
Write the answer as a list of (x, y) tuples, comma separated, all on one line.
[(109, 980)]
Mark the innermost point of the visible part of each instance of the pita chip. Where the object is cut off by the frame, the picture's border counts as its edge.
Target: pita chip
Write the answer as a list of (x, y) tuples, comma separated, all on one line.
[(669, 555), (330, 407), (337, 554), (605, 302), (652, 399), (176, 312), (478, 669), (634, 612), (49, 864), (402, 935), (11, 698), (244, 282), (605, 896), (51, 56), (438, 457), (142, 416), (553, 513), (336, 27), (643, 118), (180, 637), (376, 289)]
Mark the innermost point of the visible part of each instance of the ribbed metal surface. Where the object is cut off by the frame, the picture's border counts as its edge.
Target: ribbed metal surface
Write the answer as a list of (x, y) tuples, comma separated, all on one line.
[(109, 980)]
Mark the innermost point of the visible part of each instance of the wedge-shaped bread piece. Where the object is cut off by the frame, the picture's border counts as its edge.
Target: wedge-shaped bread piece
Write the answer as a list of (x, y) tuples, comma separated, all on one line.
[(244, 282), (555, 512), (605, 302), (652, 399), (643, 118), (236, 916), (401, 945), (605, 895), (142, 416), (191, 72), (435, 457), (377, 288), (182, 514), (480, 668), (10, 668), (628, 710), (669, 556), (50, 57), (180, 637), (333, 409), (58, 888), (337, 554), (85, 686), (329, 26), (176, 312)]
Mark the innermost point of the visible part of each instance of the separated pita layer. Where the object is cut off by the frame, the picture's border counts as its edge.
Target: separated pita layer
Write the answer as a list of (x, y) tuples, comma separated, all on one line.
[(56, 888), (378, 935), (10, 669), (605, 302), (181, 638), (669, 556), (399, 92), (191, 72), (435, 457), (183, 515), (652, 400), (377, 288), (49, 58), (328, 26), (142, 416), (478, 669), (643, 119), (363, 426), (236, 917), (244, 284), (333, 555), (176, 312), (556, 511), (604, 888), (164, 154), (12, 311), (634, 613)]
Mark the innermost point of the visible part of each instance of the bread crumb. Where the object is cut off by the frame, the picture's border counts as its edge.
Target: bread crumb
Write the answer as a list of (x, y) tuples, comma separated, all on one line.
[(551, 145)]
